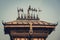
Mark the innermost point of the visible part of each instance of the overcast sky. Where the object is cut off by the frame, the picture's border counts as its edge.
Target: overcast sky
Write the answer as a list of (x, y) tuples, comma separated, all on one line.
[(50, 13)]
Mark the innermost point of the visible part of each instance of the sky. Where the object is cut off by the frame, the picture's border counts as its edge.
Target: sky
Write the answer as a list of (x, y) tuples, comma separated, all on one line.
[(50, 13)]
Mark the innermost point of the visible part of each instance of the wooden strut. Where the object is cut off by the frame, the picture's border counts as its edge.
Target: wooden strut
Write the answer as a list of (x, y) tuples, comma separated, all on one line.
[(31, 30)]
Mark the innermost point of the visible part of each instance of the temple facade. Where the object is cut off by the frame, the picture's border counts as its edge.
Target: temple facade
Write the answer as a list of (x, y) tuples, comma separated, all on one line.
[(28, 26)]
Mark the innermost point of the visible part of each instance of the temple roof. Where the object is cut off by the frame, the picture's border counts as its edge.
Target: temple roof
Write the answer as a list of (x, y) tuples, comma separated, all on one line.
[(27, 18), (37, 22)]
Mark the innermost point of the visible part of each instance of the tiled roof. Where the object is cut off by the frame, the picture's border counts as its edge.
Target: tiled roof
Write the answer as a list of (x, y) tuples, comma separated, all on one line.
[(29, 21)]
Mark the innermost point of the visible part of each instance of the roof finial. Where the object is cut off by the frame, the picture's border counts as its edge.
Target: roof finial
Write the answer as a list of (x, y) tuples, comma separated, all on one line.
[(34, 16), (28, 11), (21, 9), (24, 16), (37, 17), (18, 13)]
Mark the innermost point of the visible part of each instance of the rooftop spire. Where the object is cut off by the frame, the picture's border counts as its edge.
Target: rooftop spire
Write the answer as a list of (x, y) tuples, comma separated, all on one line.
[(19, 10), (29, 17), (18, 13)]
